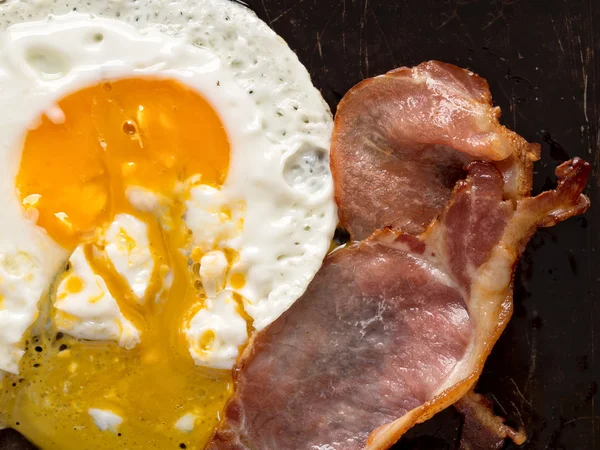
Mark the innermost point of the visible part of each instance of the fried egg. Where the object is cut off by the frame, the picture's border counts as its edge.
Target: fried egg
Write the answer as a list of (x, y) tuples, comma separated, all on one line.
[(166, 193)]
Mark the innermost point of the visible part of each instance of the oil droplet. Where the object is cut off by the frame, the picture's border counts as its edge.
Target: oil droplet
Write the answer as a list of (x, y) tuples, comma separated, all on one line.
[(129, 128)]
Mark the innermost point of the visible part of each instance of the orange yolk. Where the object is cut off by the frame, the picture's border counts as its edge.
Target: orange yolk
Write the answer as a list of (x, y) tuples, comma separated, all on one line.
[(155, 134), (145, 132)]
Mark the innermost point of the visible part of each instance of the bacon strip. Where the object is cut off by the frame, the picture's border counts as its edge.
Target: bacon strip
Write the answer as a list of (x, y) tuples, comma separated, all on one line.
[(402, 140), (395, 328)]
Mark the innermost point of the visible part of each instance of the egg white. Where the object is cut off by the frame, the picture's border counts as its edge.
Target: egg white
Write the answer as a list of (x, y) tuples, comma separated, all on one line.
[(92, 313), (106, 420), (127, 247), (278, 125)]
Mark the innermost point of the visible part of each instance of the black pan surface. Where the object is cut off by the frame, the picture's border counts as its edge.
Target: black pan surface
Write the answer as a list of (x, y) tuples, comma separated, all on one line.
[(541, 59)]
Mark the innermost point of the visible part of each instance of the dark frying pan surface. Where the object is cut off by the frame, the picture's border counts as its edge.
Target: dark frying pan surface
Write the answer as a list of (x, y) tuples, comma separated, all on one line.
[(537, 56)]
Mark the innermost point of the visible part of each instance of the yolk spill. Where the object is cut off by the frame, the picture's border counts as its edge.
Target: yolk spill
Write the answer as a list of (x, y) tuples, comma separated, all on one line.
[(154, 134)]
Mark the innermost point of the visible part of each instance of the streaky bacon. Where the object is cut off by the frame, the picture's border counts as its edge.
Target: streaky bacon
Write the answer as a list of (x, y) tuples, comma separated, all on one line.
[(401, 141), (394, 328)]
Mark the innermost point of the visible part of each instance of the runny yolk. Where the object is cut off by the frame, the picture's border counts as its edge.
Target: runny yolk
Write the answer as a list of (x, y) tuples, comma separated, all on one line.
[(155, 134), (144, 132)]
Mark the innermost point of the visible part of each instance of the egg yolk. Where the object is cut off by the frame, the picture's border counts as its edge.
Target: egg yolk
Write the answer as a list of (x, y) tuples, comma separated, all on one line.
[(75, 170), (143, 132)]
